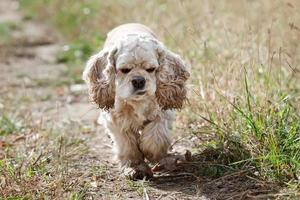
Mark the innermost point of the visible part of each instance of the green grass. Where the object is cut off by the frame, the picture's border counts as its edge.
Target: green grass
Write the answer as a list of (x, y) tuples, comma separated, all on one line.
[(8, 125), (138, 186), (5, 30), (272, 133), (78, 195), (81, 42), (264, 135), (15, 198)]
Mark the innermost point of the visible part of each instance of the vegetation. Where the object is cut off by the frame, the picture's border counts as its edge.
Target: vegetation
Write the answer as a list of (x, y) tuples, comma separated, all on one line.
[(244, 92)]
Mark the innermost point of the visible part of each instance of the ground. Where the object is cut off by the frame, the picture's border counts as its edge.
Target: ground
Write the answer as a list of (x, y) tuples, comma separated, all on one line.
[(58, 151)]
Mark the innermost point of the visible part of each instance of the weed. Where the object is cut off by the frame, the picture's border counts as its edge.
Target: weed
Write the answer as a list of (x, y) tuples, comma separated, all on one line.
[(137, 186), (8, 125), (79, 195)]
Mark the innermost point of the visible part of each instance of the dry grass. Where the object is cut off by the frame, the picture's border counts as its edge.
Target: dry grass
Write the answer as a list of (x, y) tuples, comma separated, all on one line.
[(244, 100)]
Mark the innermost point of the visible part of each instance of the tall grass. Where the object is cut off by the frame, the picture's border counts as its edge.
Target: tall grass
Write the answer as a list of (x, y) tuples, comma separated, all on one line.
[(244, 57), (271, 132)]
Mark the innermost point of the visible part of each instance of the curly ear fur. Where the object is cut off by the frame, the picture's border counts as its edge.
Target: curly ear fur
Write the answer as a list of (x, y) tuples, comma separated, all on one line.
[(171, 77), (99, 75)]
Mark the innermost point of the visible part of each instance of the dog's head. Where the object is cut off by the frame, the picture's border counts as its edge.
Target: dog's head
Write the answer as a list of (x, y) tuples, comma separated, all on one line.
[(135, 69)]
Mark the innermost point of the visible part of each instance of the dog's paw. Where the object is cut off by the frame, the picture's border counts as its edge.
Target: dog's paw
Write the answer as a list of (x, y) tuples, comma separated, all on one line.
[(138, 172), (172, 162)]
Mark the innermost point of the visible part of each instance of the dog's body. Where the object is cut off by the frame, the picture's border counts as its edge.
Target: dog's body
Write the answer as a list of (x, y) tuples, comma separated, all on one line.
[(138, 82)]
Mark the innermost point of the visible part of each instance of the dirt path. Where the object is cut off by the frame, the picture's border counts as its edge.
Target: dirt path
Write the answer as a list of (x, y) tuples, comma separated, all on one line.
[(70, 154)]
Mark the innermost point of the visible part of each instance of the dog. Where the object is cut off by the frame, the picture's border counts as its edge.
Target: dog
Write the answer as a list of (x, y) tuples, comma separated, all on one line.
[(138, 83)]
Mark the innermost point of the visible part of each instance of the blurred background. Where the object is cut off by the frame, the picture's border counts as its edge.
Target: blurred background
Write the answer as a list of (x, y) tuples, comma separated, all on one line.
[(241, 122)]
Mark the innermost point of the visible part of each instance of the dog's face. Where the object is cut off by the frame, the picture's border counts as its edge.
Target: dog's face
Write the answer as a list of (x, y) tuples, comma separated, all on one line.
[(136, 63), (138, 67)]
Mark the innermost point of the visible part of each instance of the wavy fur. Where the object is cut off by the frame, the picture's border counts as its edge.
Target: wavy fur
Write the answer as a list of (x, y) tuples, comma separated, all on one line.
[(138, 124)]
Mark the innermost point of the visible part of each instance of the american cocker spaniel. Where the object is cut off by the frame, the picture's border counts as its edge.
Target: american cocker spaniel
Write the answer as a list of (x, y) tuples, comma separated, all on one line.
[(138, 83)]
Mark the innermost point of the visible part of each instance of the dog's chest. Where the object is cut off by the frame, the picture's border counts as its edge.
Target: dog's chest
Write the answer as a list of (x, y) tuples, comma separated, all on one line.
[(134, 116)]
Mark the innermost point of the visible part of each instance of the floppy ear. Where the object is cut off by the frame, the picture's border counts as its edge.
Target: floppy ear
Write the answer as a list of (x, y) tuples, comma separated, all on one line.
[(99, 75), (171, 77)]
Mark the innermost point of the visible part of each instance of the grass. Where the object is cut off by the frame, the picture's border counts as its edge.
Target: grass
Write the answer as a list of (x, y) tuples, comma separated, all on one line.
[(42, 172), (138, 186), (245, 84), (7, 125), (273, 134), (68, 18), (5, 30)]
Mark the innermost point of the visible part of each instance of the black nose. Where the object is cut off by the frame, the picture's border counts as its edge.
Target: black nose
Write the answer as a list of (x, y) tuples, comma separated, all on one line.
[(138, 82)]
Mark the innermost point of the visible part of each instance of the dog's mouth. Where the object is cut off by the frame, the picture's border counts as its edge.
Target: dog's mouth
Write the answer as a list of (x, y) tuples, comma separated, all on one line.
[(140, 93)]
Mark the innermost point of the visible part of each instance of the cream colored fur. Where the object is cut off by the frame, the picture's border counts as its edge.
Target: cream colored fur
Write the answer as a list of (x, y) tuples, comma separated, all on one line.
[(139, 124)]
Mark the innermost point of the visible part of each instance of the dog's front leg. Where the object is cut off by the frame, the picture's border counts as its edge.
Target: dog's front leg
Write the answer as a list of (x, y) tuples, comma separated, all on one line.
[(155, 140), (129, 155)]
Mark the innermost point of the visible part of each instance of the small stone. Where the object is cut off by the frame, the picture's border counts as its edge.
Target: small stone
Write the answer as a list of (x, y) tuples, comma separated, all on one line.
[(94, 184)]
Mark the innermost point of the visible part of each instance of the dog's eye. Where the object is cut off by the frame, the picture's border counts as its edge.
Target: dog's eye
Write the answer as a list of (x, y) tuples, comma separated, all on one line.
[(150, 70), (125, 70)]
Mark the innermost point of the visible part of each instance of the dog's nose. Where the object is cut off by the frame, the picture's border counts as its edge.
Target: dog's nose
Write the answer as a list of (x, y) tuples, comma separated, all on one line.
[(138, 82)]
